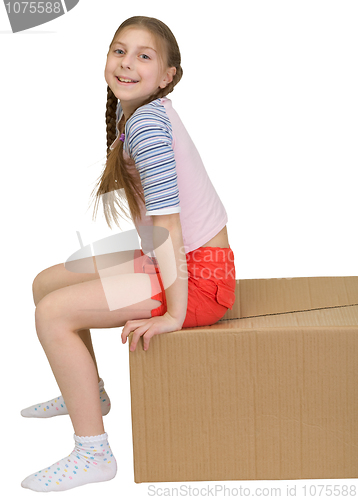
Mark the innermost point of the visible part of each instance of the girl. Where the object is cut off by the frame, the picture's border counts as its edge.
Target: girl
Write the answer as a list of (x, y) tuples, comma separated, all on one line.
[(188, 281)]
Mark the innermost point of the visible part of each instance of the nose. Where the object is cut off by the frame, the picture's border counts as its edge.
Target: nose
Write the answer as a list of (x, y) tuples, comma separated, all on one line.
[(126, 61)]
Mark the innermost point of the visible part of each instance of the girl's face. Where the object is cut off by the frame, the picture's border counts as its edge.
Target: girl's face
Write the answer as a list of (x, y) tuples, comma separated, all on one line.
[(134, 70)]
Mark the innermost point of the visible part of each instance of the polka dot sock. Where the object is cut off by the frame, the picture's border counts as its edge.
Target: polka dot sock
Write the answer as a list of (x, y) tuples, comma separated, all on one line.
[(91, 461), (57, 406)]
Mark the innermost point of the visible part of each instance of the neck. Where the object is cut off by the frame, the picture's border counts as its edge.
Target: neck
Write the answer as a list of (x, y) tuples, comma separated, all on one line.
[(129, 108)]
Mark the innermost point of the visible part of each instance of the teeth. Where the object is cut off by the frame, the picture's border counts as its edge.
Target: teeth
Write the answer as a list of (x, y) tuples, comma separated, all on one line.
[(125, 80)]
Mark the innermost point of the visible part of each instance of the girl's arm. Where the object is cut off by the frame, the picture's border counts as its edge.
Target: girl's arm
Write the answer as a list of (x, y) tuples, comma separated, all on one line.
[(172, 263), (171, 259)]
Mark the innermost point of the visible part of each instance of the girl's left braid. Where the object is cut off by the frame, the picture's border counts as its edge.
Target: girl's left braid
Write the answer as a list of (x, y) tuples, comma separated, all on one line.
[(111, 108)]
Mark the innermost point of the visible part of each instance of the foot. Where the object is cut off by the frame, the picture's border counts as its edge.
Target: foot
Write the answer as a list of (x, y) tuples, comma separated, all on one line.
[(91, 461), (57, 406)]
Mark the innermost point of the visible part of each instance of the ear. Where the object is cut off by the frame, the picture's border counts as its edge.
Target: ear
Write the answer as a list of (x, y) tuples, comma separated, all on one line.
[(168, 78)]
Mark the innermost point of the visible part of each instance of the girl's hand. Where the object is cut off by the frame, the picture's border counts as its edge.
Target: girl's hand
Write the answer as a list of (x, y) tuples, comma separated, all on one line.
[(148, 328)]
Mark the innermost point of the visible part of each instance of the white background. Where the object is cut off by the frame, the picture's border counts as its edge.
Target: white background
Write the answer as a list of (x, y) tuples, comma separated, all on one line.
[(269, 98)]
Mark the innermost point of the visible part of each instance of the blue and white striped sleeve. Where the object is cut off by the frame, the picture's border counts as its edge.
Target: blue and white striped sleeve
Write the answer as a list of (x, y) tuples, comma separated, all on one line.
[(149, 139)]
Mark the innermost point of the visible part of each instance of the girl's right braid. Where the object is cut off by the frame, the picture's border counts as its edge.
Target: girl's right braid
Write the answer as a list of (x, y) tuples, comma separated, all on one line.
[(112, 102), (111, 108)]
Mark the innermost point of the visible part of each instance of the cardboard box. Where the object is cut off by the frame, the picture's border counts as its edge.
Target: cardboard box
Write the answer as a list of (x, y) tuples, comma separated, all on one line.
[(268, 392)]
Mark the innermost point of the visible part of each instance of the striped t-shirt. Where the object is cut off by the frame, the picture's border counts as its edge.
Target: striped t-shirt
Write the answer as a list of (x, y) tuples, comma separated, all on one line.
[(172, 174)]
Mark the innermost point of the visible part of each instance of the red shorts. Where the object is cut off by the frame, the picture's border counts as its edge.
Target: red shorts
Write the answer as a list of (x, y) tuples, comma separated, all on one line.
[(211, 284)]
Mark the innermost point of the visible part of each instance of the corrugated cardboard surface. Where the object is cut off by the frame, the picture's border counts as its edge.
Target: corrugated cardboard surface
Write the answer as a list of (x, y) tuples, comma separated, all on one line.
[(272, 395), (271, 296)]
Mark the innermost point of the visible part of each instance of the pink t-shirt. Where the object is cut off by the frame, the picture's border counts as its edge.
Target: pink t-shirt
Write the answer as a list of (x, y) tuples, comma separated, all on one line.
[(172, 175)]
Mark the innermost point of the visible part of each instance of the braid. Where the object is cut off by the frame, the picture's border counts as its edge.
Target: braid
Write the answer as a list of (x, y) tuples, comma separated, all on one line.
[(116, 185), (111, 108), (115, 175)]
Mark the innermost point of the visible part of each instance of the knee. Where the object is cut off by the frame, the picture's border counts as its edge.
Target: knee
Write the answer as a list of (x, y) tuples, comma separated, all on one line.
[(42, 314), (36, 289), (39, 286), (48, 318)]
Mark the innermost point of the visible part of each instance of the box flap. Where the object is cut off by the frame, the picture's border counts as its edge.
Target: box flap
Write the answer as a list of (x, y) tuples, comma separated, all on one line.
[(260, 297), (344, 316)]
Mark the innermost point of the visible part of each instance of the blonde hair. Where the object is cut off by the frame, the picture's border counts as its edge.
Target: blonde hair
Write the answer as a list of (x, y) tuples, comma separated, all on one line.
[(115, 174)]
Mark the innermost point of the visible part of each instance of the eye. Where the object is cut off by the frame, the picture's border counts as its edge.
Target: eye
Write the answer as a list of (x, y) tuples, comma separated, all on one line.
[(122, 52), (144, 56)]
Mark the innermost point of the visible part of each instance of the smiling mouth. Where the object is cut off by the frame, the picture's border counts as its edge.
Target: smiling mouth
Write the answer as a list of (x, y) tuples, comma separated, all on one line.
[(126, 80)]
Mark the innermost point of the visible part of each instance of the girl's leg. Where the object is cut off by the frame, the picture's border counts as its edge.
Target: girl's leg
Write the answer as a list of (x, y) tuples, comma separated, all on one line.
[(59, 316), (47, 281), (85, 336), (62, 275)]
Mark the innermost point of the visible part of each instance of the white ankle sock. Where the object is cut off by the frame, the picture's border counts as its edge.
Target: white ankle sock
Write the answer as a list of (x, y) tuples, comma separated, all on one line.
[(91, 461), (57, 406)]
